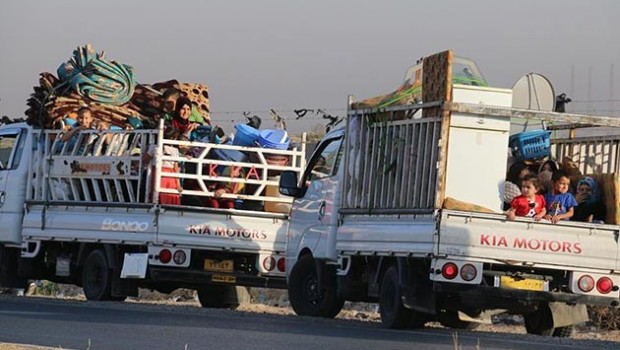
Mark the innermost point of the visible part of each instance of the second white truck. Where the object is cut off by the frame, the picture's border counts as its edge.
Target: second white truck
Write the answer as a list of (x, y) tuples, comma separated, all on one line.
[(404, 208)]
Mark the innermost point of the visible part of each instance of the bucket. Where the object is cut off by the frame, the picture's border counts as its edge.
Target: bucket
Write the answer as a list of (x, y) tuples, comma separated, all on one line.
[(274, 139), (245, 135), (272, 191)]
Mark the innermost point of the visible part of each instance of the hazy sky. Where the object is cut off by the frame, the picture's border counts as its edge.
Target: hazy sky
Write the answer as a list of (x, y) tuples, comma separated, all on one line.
[(258, 55)]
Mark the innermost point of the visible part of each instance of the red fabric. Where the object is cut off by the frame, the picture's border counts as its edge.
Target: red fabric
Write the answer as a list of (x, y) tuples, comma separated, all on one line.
[(169, 182), (182, 127), (521, 205), (221, 203)]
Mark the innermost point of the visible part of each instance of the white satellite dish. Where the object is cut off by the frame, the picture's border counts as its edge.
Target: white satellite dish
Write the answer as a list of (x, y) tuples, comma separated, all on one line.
[(533, 91)]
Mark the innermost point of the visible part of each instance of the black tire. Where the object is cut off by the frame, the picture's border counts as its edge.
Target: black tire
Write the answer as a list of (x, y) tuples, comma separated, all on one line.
[(394, 314), (563, 332), (541, 323), (304, 294), (96, 277), (450, 319), (218, 296)]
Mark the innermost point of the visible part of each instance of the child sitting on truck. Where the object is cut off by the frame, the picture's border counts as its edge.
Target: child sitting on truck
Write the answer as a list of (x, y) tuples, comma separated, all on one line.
[(529, 203), (560, 203)]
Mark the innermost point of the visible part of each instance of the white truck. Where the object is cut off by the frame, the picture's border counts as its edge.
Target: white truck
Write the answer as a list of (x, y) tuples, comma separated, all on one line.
[(87, 212), (374, 218)]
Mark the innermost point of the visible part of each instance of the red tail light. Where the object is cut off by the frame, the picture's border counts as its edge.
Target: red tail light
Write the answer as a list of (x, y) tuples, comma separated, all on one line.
[(585, 283), (604, 285), (165, 256), (449, 271), (282, 264)]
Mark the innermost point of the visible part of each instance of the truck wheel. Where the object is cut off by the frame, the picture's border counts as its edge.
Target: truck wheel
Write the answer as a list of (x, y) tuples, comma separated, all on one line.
[(563, 332), (393, 313), (218, 296), (304, 292), (541, 323), (450, 319), (96, 277)]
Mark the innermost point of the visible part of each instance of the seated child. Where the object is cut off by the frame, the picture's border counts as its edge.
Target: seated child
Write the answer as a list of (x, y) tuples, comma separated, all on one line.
[(529, 203), (560, 202), (590, 208)]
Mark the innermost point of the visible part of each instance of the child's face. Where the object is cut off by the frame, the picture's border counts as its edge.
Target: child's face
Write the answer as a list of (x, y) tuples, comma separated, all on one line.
[(528, 189), (85, 119), (561, 185)]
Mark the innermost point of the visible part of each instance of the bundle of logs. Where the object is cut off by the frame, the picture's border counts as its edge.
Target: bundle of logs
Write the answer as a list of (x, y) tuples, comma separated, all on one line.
[(76, 86)]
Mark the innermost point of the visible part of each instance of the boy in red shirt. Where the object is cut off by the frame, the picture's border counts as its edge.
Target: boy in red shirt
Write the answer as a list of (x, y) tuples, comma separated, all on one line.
[(529, 203)]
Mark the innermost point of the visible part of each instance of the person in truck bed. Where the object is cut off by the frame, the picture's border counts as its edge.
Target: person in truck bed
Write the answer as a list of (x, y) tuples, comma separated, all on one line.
[(529, 203), (560, 203), (590, 208), (168, 166)]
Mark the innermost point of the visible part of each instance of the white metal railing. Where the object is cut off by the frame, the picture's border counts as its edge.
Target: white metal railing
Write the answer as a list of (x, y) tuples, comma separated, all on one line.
[(391, 165), (593, 155), (107, 167)]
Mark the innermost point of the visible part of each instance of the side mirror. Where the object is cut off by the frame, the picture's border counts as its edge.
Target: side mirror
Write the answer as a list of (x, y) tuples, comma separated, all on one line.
[(288, 184)]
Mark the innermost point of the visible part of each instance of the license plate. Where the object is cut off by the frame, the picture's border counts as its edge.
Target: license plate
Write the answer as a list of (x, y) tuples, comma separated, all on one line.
[(219, 265), (224, 279), (522, 283)]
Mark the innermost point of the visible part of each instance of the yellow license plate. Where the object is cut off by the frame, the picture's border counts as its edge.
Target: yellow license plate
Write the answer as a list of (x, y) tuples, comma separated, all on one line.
[(219, 265), (224, 279), (522, 283)]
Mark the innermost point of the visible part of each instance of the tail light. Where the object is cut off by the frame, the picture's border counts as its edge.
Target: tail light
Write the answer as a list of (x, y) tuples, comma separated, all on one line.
[(282, 264), (269, 263), (468, 272), (179, 257), (604, 285), (165, 256), (585, 283), (449, 270)]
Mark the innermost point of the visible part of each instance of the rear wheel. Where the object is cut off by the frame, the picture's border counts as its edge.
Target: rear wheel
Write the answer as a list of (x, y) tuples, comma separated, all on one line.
[(219, 296), (306, 295), (96, 277), (393, 313), (450, 319), (541, 323)]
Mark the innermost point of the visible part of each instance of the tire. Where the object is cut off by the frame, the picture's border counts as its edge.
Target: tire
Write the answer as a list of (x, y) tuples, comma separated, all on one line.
[(304, 294), (450, 319), (96, 277), (394, 314), (541, 323), (563, 332), (218, 296)]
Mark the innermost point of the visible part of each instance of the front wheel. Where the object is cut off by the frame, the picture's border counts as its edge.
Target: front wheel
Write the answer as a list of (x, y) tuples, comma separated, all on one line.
[(306, 295)]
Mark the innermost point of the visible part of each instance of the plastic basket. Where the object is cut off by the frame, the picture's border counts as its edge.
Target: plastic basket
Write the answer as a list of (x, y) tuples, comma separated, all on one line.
[(531, 144)]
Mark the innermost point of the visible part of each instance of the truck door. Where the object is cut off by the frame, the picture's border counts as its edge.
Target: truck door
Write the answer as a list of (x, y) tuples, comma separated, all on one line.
[(12, 183), (312, 213)]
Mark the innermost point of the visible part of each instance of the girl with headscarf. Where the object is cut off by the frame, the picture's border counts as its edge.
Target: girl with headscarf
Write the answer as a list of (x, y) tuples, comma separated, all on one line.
[(180, 120), (590, 208)]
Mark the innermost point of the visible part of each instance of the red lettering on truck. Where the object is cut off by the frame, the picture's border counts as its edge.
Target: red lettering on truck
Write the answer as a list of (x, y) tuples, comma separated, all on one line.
[(534, 244)]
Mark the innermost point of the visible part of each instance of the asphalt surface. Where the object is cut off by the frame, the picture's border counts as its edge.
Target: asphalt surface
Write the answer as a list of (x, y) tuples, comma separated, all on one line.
[(69, 324)]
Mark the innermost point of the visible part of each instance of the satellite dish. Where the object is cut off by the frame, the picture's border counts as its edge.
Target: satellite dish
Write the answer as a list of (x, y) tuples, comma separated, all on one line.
[(533, 91)]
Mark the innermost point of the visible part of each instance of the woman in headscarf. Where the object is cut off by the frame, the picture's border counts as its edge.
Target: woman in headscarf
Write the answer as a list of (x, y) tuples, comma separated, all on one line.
[(180, 119), (590, 208)]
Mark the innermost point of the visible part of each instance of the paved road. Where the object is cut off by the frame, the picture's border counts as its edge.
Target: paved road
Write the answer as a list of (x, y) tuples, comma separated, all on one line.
[(73, 324)]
